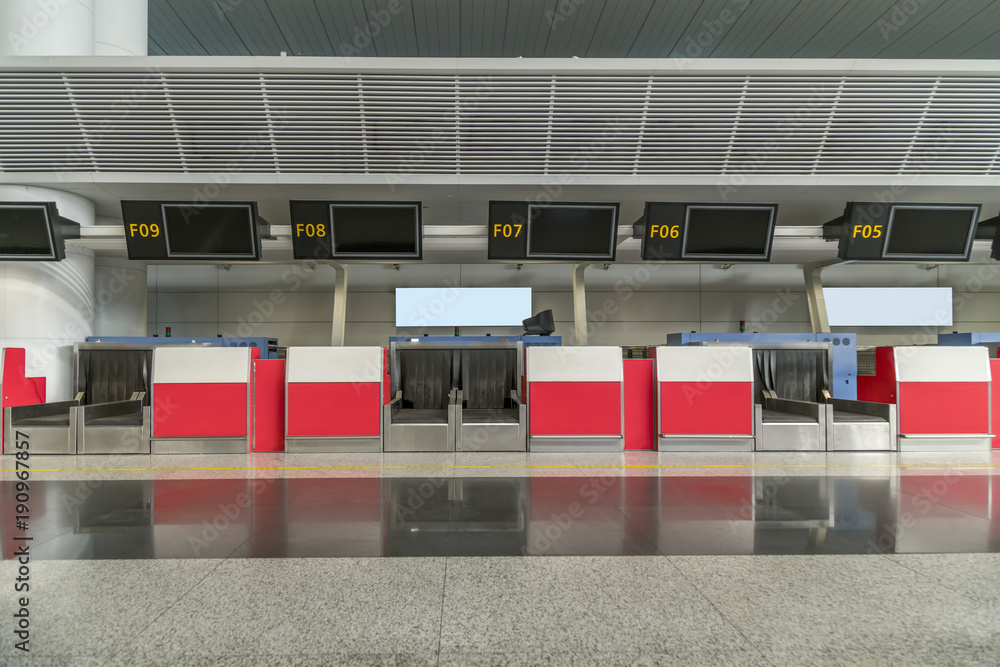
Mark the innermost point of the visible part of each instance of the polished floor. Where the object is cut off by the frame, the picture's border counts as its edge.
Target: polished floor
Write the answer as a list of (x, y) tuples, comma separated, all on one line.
[(507, 516), (517, 559)]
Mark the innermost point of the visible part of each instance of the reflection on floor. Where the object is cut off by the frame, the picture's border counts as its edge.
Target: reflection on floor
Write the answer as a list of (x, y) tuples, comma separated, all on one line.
[(507, 516)]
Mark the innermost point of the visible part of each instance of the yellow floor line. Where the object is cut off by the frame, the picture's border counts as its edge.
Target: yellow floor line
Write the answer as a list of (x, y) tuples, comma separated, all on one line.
[(521, 467)]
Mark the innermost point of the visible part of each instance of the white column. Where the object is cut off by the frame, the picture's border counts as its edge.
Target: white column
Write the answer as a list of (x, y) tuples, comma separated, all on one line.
[(47, 27), (46, 307), (813, 274), (579, 305), (339, 304), (121, 28)]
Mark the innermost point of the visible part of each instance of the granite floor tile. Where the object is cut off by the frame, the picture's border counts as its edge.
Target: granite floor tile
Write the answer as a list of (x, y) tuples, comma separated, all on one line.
[(579, 606), (88, 609), (841, 610), (695, 657), (976, 576), (303, 606), (303, 657)]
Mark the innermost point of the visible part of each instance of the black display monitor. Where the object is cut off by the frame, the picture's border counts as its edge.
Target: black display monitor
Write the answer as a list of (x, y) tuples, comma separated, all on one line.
[(572, 231), (679, 231), (192, 231), (32, 231), (917, 232), (908, 232), (731, 233), (356, 230), (209, 232), (375, 231)]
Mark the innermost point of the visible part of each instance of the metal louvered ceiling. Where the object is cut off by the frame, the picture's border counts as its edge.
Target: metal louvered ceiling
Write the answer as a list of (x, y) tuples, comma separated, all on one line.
[(583, 28), (435, 122)]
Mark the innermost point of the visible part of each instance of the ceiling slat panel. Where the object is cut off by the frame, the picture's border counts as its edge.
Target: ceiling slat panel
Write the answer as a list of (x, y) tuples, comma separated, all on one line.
[(537, 28), (499, 26), (300, 24), (175, 27), (513, 44), (339, 22), (619, 44), (407, 24), (399, 27), (985, 48), (256, 28), (762, 26), (426, 28), (649, 30), (580, 35), (324, 122), (844, 27), (673, 32), (939, 25), (746, 22), (802, 23), (454, 33), (705, 27), (383, 44), (877, 33), (585, 28)]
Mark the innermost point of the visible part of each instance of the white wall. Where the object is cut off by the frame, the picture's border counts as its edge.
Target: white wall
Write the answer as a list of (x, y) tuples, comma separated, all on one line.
[(628, 304), (120, 291)]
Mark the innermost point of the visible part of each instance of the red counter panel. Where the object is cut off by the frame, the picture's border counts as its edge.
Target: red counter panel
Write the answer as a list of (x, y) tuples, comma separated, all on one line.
[(209, 410), (640, 404), (575, 408), (268, 405), (317, 409), (881, 387), (17, 388), (995, 399), (943, 407), (706, 408)]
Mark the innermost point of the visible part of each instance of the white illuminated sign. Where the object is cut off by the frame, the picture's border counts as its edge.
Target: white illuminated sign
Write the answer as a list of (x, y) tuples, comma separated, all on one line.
[(888, 306), (462, 306)]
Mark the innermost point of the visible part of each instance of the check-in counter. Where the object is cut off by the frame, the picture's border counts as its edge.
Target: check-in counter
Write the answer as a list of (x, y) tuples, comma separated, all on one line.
[(118, 427), (201, 398), (48, 428), (334, 399), (575, 399), (860, 426), (704, 398), (423, 412), (942, 396), (491, 415)]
